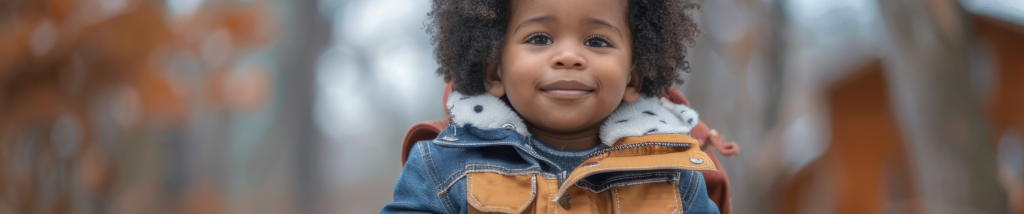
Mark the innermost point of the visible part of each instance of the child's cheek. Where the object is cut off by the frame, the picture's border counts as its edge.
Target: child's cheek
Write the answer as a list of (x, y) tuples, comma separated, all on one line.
[(612, 72), (522, 67)]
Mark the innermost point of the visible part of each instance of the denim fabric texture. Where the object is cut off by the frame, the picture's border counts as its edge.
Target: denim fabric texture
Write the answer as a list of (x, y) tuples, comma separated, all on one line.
[(433, 179)]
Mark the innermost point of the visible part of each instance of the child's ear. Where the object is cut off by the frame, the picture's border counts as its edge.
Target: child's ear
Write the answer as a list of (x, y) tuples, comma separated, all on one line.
[(632, 86), (492, 82)]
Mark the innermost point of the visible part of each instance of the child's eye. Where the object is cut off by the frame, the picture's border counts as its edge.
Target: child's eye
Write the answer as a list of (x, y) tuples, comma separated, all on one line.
[(597, 41), (539, 39)]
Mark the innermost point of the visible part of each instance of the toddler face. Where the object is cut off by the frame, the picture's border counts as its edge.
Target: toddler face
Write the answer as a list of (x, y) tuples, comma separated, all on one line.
[(566, 65)]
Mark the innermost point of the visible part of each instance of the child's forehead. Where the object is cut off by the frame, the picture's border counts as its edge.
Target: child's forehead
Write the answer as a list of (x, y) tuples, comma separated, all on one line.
[(613, 11)]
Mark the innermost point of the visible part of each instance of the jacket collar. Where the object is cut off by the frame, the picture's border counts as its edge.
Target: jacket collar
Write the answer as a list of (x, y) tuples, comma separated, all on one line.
[(648, 153), (647, 136), (644, 116)]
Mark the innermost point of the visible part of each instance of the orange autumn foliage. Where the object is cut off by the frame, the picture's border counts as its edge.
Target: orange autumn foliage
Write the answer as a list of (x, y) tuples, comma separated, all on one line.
[(74, 58)]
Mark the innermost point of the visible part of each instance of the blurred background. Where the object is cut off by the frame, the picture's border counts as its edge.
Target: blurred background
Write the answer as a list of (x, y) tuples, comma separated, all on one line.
[(262, 106)]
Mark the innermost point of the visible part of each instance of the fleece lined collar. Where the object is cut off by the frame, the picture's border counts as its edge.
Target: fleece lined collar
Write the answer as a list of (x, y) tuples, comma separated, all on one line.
[(644, 116)]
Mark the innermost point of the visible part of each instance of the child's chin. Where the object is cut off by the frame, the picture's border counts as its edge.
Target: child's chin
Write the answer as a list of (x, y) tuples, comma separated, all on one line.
[(564, 124)]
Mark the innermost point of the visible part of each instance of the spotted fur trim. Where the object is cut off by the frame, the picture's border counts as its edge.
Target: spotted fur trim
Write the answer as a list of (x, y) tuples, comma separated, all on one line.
[(646, 116), (643, 116), (483, 111)]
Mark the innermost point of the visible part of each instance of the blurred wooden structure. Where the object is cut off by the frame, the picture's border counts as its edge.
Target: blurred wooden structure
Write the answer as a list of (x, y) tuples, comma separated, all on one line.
[(928, 148), (865, 167), (1006, 106)]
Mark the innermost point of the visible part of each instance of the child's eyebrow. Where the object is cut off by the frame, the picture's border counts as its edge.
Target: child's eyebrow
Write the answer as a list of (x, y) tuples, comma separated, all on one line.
[(602, 22), (547, 18), (544, 18)]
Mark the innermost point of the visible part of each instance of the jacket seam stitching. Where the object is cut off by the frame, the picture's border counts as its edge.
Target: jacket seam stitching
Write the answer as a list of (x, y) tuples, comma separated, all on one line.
[(692, 187), (432, 171), (679, 201), (696, 183), (460, 174), (463, 173), (618, 206)]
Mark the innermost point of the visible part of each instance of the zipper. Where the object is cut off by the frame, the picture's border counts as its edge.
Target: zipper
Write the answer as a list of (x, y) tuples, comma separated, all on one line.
[(635, 145)]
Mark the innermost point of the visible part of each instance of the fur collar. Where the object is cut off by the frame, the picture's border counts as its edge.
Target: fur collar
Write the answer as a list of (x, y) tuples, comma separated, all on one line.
[(643, 116)]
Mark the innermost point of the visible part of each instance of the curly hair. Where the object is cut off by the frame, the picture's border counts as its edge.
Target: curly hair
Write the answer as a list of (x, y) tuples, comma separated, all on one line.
[(468, 35)]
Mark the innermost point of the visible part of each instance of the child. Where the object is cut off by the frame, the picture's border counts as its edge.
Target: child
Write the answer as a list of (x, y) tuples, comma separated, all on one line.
[(556, 109)]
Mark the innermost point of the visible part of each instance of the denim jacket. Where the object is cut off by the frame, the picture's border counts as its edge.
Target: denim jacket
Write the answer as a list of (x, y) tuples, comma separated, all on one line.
[(483, 163)]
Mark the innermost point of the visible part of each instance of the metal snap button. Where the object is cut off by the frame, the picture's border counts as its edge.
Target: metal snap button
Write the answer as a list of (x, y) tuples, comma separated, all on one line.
[(595, 163), (508, 126), (696, 160)]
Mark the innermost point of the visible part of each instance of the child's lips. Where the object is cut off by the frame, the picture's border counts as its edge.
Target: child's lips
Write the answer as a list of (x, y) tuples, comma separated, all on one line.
[(566, 89), (566, 94)]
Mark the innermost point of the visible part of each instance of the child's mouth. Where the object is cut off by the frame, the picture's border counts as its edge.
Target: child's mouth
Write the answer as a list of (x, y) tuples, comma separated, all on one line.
[(566, 89)]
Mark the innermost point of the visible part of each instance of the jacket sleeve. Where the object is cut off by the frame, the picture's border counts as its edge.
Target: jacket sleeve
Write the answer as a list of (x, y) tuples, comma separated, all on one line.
[(414, 189), (699, 202)]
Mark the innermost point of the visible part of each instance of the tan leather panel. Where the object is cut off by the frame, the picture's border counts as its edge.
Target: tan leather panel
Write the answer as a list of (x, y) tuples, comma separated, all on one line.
[(584, 201), (546, 189), (677, 160), (660, 197), (496, 193)]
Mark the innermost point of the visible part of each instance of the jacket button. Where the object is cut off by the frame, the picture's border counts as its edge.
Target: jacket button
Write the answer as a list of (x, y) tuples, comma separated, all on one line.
[(696, 160), (508, 126)]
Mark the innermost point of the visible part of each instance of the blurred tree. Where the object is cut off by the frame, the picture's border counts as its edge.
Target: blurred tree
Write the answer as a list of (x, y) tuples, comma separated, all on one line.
[(67, 66)]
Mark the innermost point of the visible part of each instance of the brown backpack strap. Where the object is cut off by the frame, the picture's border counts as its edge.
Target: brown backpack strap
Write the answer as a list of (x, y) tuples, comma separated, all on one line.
[(421, 131)]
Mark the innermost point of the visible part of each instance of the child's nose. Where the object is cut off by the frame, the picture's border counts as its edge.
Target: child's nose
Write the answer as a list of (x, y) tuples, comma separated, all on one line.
[(569, 59)]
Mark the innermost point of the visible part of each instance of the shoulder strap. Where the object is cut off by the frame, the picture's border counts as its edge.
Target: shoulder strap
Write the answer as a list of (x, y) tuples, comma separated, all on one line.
[(421, 131)]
